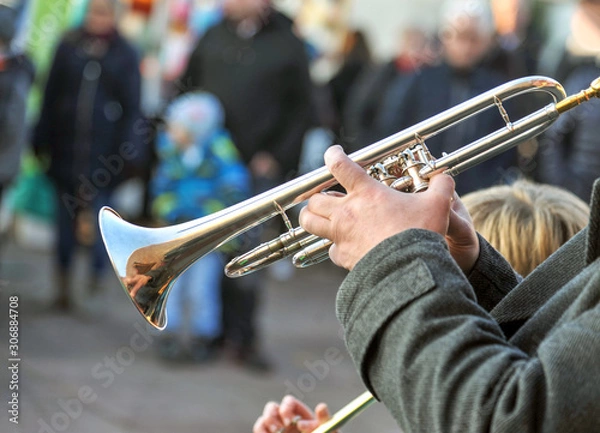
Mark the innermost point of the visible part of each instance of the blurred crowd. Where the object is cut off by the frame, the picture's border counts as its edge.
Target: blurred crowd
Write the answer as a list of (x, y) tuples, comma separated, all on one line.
[(211, 102)]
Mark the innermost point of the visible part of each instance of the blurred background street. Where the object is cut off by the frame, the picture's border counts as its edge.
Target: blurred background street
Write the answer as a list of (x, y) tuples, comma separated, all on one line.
[(59, 353)]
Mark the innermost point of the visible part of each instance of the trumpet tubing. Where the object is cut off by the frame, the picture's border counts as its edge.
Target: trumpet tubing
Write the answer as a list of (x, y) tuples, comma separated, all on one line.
[(147, 261)]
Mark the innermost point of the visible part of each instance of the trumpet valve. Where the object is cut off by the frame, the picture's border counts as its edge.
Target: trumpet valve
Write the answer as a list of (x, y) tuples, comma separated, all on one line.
[(381, 171), (403, 184), (413, 160)]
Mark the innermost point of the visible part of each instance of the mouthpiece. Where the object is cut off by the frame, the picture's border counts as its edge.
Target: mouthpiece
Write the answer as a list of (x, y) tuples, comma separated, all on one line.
[(585, 95), (596, 86)]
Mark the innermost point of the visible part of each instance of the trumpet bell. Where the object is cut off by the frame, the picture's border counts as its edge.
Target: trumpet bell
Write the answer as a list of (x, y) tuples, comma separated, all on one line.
[(147, 261), (133, 259)]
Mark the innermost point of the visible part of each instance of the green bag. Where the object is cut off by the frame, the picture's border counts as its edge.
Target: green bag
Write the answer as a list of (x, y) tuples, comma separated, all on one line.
[(33, 193)]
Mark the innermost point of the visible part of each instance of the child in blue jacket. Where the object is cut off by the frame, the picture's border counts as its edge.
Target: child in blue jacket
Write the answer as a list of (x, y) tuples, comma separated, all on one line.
[(199, 172)]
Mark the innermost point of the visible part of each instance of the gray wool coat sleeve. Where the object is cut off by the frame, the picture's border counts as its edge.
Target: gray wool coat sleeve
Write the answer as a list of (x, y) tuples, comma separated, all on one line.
[(492, 277), (440, 362)]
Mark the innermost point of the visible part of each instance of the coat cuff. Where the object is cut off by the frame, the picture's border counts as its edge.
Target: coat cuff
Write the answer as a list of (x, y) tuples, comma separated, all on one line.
[(492, 277)]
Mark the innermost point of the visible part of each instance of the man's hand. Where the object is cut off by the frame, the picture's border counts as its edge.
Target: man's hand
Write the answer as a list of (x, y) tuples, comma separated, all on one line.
[(290, 416), (371, 212)]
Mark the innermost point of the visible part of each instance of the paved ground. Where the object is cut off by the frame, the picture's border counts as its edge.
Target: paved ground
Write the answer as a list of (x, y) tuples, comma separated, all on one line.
[(95, 370)]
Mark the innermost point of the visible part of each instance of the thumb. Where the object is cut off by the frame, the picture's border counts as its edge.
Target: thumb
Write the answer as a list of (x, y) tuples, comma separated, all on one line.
[(460, 227), (322, 416), (348, 173), (443, 185), (322, 413)]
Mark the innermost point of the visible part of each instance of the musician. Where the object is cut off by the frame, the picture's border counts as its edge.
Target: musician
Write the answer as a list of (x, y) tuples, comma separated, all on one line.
[(570, 149), (441, 328)]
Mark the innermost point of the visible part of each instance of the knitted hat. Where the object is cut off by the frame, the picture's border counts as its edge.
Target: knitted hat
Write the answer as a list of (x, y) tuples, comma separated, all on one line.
[(199, 113)]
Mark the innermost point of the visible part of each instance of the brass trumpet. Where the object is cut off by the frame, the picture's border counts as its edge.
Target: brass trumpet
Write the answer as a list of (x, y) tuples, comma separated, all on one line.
[(148, 260)]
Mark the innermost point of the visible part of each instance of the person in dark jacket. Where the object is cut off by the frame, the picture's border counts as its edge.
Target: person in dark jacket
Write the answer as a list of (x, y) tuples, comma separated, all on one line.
[(365, 99), (441, 328), (466, 36), (87, 128), (356, 58), (254, 63), (16, 77), (257, 67), (517, 43), (570, 149)]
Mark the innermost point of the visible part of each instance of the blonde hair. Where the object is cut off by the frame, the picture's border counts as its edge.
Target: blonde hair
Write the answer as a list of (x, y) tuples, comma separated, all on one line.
[(526, 222)]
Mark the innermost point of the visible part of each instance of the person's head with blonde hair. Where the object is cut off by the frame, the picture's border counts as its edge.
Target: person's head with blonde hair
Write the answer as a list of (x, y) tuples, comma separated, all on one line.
[(526, 222)]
